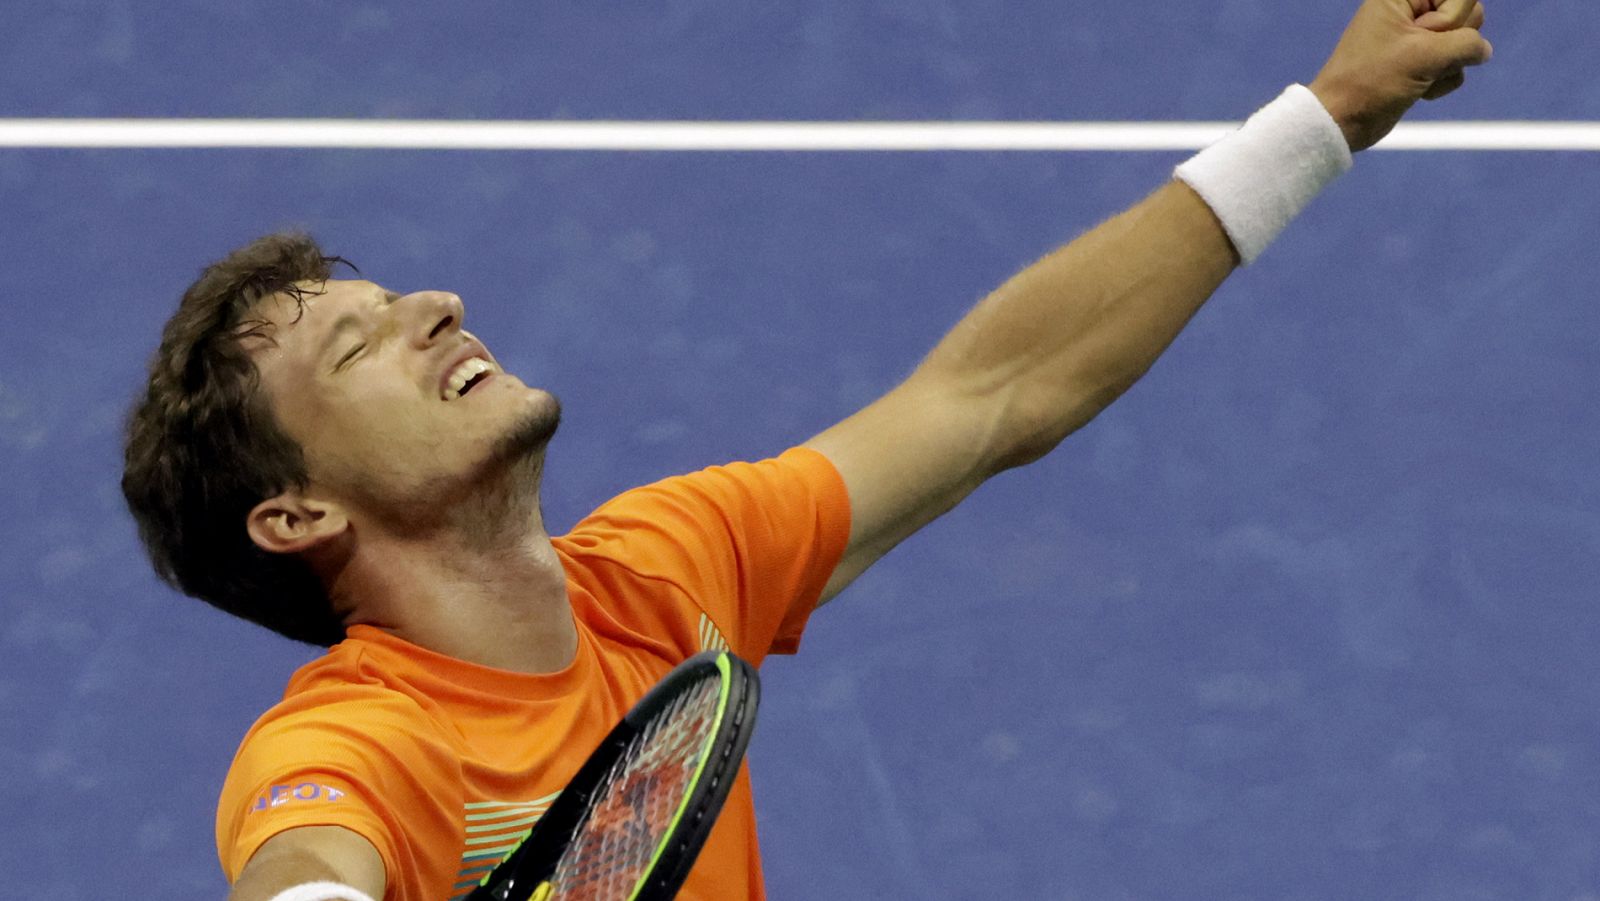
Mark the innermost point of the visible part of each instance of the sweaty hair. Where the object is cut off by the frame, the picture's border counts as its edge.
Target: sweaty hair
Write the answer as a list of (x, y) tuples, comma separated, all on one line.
[(203, 447)]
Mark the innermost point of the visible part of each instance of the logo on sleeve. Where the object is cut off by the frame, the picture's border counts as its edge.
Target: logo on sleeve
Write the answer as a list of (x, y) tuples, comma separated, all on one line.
[(299, 793)]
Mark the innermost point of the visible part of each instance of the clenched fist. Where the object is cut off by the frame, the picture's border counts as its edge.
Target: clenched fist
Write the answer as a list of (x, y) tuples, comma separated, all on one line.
[(1394, 53)]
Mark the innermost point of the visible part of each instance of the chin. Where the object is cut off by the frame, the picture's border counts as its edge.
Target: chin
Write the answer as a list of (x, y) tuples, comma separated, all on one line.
[(531, 432)]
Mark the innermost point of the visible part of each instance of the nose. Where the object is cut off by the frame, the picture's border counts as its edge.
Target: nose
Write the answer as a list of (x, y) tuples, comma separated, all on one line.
[(431, 316)]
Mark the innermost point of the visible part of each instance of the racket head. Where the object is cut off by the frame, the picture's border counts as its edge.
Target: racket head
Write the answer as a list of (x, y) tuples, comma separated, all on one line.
[(632, 821)]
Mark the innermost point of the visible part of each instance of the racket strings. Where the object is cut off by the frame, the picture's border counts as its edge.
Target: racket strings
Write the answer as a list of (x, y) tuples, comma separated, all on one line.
[(633, 807)]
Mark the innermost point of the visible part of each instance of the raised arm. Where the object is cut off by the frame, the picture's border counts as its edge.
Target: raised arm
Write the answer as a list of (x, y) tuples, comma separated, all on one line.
[(1063, 338)]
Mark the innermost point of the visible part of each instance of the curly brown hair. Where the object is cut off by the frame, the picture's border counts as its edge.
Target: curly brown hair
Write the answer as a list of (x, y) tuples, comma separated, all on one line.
[(203, 447)]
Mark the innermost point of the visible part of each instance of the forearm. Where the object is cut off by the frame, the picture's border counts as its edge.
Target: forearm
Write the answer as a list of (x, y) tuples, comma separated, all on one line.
[(1063, 338)]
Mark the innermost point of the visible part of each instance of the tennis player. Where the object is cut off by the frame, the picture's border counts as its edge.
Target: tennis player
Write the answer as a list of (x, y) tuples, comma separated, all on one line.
[(352, 468)]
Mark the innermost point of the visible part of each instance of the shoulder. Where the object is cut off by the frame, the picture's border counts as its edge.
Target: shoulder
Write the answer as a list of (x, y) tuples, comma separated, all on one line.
[(356, 755), (344, 690), (799, 481), (332, 722), (361, 757), (352, 737), (740, 551), (369, 709)]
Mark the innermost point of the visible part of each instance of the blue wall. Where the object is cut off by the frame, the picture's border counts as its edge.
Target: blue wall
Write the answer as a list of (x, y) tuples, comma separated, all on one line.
[(1308, 615)]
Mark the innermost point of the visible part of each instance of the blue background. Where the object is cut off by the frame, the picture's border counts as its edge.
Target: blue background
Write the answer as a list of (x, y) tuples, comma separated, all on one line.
[(1309, 614)]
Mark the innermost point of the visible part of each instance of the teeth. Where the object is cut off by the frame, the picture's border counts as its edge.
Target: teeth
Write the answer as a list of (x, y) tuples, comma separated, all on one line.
[(464, 373)]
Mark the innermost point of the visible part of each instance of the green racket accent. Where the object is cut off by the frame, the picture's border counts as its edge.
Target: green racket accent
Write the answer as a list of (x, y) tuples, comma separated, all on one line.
[(725, 683), (631, 822), (627, 826)]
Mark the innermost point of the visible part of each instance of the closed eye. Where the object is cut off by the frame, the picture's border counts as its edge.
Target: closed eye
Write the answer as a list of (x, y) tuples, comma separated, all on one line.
[(350, 355)]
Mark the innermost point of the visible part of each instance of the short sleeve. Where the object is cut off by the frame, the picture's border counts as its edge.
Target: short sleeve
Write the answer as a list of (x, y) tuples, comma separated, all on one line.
[(369, 761), (751, 545)]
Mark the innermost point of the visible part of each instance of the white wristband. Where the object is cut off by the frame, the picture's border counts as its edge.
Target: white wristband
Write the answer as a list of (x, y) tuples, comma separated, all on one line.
[(1259, 178), (322, 891)]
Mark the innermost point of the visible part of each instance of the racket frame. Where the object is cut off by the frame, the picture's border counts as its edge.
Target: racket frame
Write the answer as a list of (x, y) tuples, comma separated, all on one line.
[(521, 873)]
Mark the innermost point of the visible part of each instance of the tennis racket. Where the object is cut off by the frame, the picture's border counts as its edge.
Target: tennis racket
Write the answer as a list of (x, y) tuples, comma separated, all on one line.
[(632, 821)]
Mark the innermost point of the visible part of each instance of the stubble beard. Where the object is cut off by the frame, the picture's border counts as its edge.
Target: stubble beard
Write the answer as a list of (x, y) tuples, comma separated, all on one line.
[(529, 436), (492, 507), (507, 503)]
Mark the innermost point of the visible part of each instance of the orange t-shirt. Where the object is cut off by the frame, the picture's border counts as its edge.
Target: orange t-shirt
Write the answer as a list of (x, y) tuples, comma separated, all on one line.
[(443, 765)]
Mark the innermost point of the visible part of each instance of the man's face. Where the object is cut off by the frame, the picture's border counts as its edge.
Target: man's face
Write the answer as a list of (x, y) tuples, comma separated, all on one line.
[(397, 408)]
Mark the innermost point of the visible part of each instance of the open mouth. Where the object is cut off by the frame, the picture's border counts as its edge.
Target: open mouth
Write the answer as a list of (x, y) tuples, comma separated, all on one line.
[(468, 374)]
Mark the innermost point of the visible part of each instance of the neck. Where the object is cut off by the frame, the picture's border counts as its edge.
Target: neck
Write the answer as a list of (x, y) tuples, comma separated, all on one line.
[(495, 597)]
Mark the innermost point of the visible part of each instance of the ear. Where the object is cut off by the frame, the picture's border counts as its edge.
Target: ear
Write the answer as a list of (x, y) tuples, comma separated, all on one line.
[(291, 522)]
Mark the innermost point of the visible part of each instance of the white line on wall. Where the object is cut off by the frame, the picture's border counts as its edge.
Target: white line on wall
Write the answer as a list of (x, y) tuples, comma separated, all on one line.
[(418, 134)]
